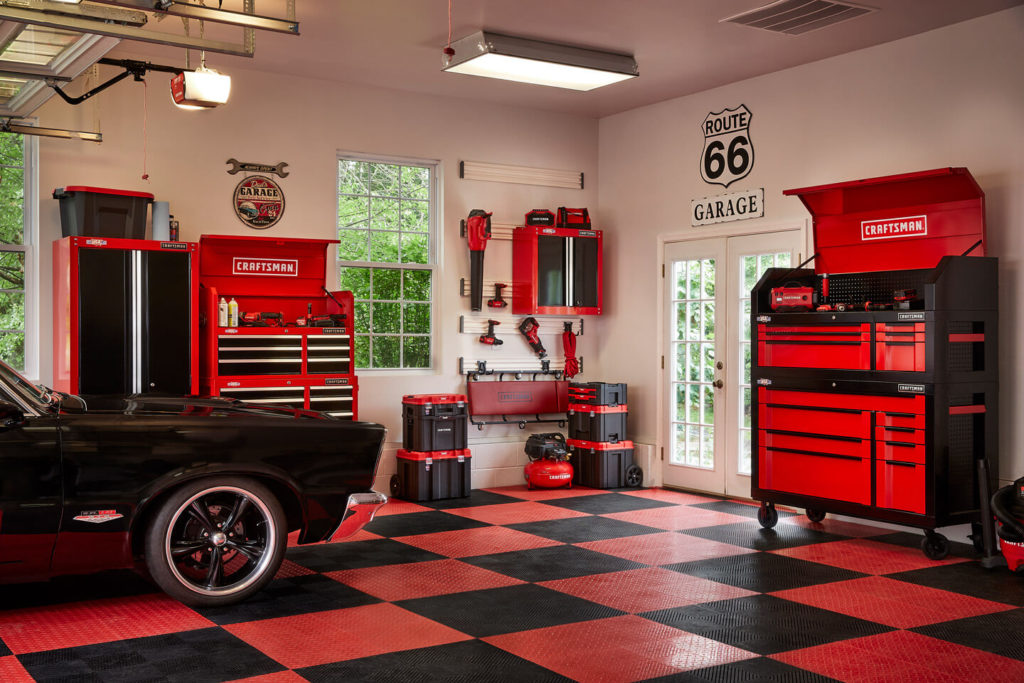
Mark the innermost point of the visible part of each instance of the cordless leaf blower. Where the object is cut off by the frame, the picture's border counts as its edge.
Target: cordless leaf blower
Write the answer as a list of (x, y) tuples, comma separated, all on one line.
[(478, 231)]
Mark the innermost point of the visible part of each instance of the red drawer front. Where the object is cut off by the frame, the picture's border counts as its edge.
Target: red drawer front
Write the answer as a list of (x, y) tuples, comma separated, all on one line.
[(900, 327), (900, 355), (896, 404), (835, 331), (838, 478), (900, 420), (900, 336), (900, 486), (903, 434), (900, 451), (860, 448), (837, 356), (827, 422)]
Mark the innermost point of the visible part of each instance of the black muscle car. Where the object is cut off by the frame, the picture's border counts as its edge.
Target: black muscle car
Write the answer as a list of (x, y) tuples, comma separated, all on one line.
[(205, 491)]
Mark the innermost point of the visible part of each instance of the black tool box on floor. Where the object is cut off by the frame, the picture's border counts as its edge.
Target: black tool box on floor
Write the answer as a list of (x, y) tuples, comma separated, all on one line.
[(597, 423), (602, 465), (432, 475), (434, 422), (597, 393)]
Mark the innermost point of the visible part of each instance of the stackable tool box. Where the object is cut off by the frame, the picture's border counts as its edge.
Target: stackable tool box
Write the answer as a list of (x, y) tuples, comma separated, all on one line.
[(597, 422), (434, 422), (597, 393), (432, 475), (603, 465), (882, 414)]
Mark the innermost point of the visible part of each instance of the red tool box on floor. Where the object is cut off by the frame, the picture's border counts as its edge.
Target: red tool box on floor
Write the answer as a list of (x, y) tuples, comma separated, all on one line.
[(434, 422), (435, 462), (432, 475), (886, 410), (288, 364)]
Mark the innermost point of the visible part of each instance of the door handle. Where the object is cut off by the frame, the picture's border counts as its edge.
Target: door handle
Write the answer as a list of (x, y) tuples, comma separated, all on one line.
[(718, 384)]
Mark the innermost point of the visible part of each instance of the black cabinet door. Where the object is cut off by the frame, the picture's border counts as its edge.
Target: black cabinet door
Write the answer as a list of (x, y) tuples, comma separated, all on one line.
[(104, 293), (585, 255), (166, 341), (551, 271)]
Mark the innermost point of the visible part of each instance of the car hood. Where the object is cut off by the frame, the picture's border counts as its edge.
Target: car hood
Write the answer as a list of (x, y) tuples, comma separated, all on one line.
[(155, 404)]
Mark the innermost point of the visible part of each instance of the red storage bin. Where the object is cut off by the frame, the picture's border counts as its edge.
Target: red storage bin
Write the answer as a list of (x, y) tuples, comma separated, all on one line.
[(102, 212), (434, 422)]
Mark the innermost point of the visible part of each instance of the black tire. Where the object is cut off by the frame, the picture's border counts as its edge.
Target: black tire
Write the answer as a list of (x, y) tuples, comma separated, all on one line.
[(221, 569), (935, 546), (816, 516), (634, 476), (767, 515), (395, 485)]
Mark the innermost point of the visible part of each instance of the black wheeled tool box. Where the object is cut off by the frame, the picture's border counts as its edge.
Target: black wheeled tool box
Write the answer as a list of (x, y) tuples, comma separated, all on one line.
[(597, 423), (597, 393), (434, 422), (602, 465), (432, 475)]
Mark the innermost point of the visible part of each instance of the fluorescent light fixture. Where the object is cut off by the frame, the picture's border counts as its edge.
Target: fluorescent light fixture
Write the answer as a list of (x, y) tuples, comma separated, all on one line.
[(200, 89), (532, 61)]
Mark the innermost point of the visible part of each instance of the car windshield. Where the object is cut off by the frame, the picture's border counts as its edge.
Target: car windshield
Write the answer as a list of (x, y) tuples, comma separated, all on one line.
[(37, 396)]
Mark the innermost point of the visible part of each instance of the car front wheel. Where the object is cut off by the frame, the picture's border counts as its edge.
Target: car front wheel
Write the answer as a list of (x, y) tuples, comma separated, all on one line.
[(216, 541)]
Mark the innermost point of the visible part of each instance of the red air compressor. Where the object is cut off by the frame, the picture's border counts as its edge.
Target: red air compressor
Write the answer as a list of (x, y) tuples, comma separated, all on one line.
[(549, 466), (1008, 508)]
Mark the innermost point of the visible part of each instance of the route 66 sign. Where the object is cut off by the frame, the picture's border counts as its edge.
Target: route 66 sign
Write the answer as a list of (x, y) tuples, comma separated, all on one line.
[(728, 153)]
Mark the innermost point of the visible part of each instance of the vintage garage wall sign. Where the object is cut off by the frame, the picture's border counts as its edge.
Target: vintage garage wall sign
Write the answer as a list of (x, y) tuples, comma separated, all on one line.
[(728, 153), (258, 202), (735, 206)]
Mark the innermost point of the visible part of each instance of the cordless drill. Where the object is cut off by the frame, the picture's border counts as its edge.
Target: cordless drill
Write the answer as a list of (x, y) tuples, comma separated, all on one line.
[(489, 338), (498, 301), (478, 231), (529, 329)]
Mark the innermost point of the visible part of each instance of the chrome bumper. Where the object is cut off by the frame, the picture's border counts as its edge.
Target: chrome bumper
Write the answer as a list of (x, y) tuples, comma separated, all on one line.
[(359, 511)]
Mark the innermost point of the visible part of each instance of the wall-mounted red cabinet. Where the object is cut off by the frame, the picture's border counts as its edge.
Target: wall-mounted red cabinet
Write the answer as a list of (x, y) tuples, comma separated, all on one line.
[(556, 271)]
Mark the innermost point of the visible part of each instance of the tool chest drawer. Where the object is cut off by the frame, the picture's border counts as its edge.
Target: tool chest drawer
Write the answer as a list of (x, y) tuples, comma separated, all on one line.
[(904, 405), (900, 420), (900, 347), (900, 486), (838, 477), (328, 354), (336, 401), (901, 434), (900, 451), (277, 396), (854, 423), (841, 347), (860, 448)]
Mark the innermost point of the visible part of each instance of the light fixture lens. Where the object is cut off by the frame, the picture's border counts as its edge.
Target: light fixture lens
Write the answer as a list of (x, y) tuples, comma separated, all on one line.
[(537, 72), (200, 89)]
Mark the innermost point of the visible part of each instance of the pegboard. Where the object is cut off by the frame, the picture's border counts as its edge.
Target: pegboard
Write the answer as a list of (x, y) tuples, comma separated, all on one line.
[(856, 288)]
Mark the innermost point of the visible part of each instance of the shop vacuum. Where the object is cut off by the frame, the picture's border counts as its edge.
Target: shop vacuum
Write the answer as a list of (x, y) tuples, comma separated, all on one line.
[(1008, 508), (549, 466)]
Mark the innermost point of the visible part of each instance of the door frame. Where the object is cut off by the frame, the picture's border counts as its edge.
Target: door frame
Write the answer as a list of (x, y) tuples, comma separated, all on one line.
[(722, 231)]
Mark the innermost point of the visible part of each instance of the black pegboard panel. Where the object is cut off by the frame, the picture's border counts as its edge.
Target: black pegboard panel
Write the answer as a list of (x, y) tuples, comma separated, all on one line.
[(961, 358), (856, 288), (961, 460)]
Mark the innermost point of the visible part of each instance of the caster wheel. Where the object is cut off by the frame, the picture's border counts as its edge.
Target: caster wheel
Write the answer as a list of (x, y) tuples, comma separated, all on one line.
[(634, 476), (815, 516), (977, 537), (395, 485), (767, 515), (935, 546)]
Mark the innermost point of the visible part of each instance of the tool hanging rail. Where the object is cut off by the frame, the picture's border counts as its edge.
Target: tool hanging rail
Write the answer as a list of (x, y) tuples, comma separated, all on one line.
[(518, 402)]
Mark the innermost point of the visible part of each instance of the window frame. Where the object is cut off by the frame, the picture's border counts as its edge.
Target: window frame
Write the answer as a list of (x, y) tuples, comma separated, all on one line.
[(434, 249), (30, 230)]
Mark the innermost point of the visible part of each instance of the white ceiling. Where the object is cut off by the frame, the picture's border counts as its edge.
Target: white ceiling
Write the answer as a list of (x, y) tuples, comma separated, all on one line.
[(680, 46)]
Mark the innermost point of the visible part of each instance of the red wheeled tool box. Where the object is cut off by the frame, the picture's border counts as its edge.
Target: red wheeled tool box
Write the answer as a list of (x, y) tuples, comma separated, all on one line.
[(434, 422), (432, 475), (882, 405), (603, 465), (597, 423), (597, 393)]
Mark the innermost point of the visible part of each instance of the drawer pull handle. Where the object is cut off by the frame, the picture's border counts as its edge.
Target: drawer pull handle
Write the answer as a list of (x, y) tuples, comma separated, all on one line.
[(897, 463), (816, 454)]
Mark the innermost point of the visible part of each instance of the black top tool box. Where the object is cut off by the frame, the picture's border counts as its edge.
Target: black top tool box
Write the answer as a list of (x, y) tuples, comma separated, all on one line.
[(597, 423), (433, 475), (602, 465), (434, 422), (597, 393)]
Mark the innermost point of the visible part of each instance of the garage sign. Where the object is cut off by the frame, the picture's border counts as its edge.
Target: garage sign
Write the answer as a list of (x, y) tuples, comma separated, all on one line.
[(728, 153), (735, 206), (258, 202)]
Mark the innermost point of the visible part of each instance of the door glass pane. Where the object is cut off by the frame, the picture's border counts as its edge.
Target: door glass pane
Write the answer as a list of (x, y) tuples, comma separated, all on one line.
[(693, 359)]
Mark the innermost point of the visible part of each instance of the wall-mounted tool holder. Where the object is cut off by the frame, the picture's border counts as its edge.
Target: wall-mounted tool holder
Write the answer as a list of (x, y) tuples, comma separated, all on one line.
[(556, 271), (519, 402)]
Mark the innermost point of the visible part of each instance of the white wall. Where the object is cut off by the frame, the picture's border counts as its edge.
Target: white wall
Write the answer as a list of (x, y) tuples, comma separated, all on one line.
[(951, 97), (305, 122)]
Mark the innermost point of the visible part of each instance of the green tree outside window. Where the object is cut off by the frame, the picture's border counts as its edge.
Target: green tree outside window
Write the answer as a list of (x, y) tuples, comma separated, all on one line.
[(12, 250)]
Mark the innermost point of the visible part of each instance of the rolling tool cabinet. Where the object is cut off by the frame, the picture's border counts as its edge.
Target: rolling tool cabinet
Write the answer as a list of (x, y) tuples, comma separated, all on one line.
[(881, 414)]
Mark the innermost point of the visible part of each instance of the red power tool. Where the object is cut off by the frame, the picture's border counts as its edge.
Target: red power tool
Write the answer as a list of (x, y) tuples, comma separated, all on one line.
[(489, 338), (478, 231), (498, 301), (529, 328), (793, 298)]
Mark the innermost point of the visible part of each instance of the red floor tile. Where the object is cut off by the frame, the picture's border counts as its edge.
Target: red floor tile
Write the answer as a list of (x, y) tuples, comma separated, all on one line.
[(664, 548), (480, 541), (515, 513), (866, 556), (421, 579), (338, 635), (677, 517), (279, 677), (101, 621), (643, 590), (836, 526), (626, 648), (890, 602), (904, 656), (395, 506), (11, 671), (545, 494), (669, 496), (289, 569)]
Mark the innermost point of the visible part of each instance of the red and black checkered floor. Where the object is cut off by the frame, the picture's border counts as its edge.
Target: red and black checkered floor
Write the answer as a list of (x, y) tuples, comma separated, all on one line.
[(511, 585)]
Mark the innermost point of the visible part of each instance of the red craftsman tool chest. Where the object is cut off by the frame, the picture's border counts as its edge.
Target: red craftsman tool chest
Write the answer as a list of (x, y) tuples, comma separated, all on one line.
[(434, 422), (432, 475), (882, 402)]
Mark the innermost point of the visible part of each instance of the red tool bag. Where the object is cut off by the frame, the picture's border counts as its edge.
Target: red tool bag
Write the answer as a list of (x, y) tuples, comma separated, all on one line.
[(573, 218)]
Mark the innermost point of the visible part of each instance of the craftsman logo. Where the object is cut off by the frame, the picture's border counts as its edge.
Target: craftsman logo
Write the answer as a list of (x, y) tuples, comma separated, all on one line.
[(234, 384), (587, 233), (728, 153), (96, 243), (764, 318), (559, 476), (910, 316), (334, 330), (894, 228), (336, 380), (764, 382), (258, 202), (911, 388), (98, 516), (181, 246), (549, 231), (514, 396), (265, 266)]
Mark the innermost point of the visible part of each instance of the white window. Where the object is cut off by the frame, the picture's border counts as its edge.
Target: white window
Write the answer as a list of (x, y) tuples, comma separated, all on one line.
[(18, 288), (386, 212)]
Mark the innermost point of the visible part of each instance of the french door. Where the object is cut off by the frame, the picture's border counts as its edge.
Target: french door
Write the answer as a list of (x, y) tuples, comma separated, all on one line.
[(707, 359)]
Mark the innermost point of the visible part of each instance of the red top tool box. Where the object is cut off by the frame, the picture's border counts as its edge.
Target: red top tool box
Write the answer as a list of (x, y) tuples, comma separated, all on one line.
[(882, 401), (597, 393), (293, 345), (434, 422), (597, 423), (602, 465)]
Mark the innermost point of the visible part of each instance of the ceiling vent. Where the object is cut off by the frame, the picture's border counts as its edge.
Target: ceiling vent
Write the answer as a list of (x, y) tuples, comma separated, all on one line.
[(794, 17)]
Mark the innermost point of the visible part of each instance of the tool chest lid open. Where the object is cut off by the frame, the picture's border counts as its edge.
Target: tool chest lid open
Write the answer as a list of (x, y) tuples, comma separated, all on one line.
[(264, 266)]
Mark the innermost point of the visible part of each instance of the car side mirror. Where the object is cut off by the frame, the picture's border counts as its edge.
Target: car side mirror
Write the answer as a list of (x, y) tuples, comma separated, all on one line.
[(11, 416)]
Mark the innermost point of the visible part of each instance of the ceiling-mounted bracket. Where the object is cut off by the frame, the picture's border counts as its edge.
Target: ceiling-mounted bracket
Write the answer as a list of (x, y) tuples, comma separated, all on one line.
[(132, 67)]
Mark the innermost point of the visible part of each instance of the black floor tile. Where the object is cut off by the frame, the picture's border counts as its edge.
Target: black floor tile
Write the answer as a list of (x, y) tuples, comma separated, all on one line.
[(607, 503), (205, 655), (583, 529), (507, 610), (913, 540), (548, 564), (358, 554), (414, 523), (113, 584), (475, 497), (288, 597), (751, 535), (757, 670), (472, 660), (764, 572), (734, 508), (765, 624), (4, 650), (969, 578), (1001, 632)]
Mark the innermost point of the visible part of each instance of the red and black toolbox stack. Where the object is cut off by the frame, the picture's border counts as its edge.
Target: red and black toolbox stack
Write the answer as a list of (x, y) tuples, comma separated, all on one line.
[(434, 462), (601, 456), (881, 401)]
